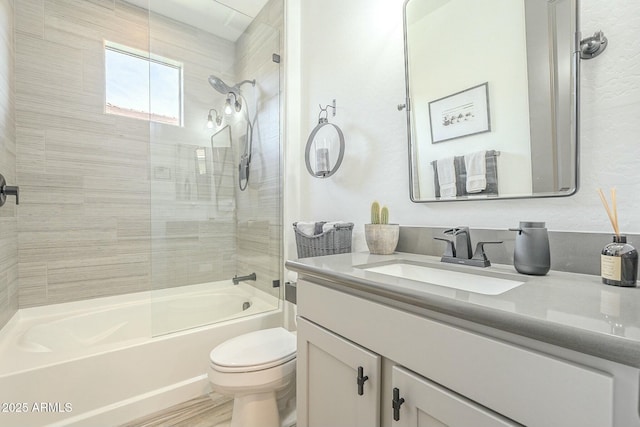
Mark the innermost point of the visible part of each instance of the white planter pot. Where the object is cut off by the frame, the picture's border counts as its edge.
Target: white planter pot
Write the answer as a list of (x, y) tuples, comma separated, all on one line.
[(382, 239)]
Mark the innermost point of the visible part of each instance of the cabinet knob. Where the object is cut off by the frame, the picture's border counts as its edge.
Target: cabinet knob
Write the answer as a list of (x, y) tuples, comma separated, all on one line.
[(361, 380), (396, 403)]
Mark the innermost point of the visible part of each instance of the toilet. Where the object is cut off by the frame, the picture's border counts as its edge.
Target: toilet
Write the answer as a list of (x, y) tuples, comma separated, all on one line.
[(258, 370)]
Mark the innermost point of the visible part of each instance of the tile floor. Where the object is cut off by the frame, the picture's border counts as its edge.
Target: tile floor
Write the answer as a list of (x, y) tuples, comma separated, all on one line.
[(205, 411)]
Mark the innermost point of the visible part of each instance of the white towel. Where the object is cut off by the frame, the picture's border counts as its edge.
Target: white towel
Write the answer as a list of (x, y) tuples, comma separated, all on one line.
[(447, 177), (306, 227), (476, 165)]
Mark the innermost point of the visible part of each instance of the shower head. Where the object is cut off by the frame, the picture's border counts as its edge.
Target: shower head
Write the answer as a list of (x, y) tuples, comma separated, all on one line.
[(223, 88), (219, 85)]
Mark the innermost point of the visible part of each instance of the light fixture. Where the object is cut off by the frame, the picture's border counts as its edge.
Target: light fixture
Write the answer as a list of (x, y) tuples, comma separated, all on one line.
[(228, 109), (210, 119)]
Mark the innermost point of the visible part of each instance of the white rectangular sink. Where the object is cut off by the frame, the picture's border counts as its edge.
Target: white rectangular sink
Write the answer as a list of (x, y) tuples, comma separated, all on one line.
[(481, 284)]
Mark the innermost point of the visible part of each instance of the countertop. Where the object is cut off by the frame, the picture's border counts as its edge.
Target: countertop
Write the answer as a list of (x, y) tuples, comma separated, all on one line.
[(574, 311)]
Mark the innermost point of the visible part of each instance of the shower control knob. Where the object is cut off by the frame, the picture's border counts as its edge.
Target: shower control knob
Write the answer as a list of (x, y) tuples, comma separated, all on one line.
[(7, 190)]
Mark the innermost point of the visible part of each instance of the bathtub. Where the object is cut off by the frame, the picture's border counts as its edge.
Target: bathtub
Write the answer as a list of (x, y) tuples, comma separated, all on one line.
[(109, 360)]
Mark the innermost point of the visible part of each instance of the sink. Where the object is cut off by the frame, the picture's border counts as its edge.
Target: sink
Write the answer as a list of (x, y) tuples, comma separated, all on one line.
[(486, 284)]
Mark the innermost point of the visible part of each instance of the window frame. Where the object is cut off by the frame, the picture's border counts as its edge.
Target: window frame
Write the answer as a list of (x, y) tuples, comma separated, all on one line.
[(149, 58)]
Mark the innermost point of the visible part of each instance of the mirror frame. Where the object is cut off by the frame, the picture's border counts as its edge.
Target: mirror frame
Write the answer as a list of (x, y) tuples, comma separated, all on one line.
[(575, 116)]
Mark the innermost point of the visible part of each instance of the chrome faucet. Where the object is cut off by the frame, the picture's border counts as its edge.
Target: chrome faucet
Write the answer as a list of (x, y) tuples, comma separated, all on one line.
[(458, 250)]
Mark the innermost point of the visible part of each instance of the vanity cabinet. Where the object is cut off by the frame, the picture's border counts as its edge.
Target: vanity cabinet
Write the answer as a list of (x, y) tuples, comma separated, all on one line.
[(446, 374), (341, 386)]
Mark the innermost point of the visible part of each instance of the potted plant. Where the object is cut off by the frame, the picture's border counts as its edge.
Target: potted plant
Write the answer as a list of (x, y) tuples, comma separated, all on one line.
[(381, 237)]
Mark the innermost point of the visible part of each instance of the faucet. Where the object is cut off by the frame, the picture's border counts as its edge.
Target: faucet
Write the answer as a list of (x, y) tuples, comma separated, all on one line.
[(237, 279), (462, 241), (458, 250)]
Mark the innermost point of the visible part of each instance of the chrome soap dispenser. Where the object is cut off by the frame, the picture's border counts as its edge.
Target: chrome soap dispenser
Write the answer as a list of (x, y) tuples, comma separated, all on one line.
[(531, 254)]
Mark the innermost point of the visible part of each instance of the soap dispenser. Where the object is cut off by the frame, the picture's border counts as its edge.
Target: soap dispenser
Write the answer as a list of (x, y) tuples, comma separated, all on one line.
[(531, 254)]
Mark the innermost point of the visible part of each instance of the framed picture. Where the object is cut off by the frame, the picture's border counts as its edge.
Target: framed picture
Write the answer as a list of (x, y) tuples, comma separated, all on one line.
[(461, 114)]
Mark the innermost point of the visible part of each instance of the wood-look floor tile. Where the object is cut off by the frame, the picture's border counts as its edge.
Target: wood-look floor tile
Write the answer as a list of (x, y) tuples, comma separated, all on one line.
[(206, 411)]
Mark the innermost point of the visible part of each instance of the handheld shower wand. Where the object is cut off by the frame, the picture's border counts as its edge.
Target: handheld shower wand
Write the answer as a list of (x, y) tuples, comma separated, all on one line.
[(245, 159)]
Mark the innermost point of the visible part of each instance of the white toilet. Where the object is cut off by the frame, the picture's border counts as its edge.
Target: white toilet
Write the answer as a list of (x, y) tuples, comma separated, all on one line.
[(258, 370)]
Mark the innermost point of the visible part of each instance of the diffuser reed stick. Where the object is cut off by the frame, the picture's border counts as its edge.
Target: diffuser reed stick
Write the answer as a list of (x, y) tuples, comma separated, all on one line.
[(615, 211), (613, 214)]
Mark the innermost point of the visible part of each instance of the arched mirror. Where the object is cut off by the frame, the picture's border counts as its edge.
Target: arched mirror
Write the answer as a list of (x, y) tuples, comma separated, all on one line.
[(492, 90)]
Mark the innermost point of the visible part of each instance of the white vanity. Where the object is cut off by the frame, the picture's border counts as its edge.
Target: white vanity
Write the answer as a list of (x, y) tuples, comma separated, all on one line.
[(379, 349)]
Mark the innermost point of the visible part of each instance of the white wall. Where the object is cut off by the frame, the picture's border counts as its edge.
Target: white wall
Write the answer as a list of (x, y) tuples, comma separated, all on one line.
[(353, 51)]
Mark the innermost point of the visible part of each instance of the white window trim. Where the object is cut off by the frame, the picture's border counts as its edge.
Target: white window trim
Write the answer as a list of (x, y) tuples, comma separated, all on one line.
[(151, 57)]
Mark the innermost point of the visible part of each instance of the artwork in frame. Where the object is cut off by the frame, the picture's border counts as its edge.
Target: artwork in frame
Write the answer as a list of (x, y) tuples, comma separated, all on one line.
[(461, 114)]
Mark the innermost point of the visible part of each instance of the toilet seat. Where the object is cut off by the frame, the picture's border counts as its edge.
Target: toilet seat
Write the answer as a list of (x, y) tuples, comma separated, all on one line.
[(254, 351)]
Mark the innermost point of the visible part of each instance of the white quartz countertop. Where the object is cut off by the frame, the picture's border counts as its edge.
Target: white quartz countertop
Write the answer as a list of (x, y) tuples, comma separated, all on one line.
[(574, 311)]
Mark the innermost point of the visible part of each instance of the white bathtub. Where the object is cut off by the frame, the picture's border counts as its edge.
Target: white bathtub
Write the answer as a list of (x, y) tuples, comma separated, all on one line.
[(109, 360)]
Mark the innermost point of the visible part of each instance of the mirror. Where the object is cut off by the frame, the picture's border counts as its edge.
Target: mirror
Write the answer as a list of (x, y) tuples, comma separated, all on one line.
[(492, 88)]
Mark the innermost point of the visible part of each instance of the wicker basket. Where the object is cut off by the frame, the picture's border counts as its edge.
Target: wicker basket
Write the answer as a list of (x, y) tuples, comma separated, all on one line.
[(334, 241)]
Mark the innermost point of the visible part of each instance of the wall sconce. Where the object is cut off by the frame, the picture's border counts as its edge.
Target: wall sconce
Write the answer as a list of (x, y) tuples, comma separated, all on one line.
[(210, 119), (322, 141), (228, 109)]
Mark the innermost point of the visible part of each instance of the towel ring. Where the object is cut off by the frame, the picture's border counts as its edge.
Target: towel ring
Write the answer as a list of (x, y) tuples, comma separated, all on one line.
[(323, 169)]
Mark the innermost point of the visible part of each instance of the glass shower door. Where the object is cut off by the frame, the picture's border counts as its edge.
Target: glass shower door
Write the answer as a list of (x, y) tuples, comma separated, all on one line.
[(215, 170)]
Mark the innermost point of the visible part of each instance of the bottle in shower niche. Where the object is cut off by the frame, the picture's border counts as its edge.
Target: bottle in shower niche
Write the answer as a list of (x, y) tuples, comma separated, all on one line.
[(619, 263)]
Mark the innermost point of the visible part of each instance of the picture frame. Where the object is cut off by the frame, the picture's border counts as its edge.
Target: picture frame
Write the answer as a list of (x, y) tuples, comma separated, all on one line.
[(461, 114)]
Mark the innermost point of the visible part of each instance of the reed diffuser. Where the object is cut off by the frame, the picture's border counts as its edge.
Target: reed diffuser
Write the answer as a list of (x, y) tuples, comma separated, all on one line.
[(619, 260)]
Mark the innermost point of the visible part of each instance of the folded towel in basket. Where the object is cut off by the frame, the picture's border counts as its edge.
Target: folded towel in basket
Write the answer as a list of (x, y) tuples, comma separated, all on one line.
[(319, 228), (331, 225), (308, 228)]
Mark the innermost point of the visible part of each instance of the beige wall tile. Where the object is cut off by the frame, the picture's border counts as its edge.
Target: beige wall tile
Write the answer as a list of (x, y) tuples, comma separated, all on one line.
[(103, 208), (8, 221)]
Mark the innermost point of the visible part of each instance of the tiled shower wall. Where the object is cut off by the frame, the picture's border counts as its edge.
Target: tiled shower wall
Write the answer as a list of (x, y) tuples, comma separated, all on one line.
[(8, 222), (104, 211), (237, 232), (83, 224), (259, 207)]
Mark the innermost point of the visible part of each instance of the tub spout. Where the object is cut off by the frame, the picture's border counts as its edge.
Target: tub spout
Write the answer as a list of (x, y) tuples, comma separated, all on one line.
[(237, 279)]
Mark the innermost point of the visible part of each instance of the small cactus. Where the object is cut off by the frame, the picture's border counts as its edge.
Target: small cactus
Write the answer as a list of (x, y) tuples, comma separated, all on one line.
[(384, 215), (379, 216), (375, 213)]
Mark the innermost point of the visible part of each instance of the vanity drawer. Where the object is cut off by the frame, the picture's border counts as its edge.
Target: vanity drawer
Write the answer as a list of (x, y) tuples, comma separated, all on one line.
[(527, 386)]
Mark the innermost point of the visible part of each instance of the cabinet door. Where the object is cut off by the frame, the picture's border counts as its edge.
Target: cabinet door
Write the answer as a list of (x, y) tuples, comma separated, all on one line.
[(427, 404), (332, 390)]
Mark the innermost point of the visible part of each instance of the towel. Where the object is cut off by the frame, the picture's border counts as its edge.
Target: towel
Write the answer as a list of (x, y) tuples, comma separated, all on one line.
[(476, 166), (447, 177), (319, 227), (307, 228), (330, 225)]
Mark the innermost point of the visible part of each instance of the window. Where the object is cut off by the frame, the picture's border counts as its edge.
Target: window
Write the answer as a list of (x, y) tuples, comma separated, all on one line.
[(142, 87)]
